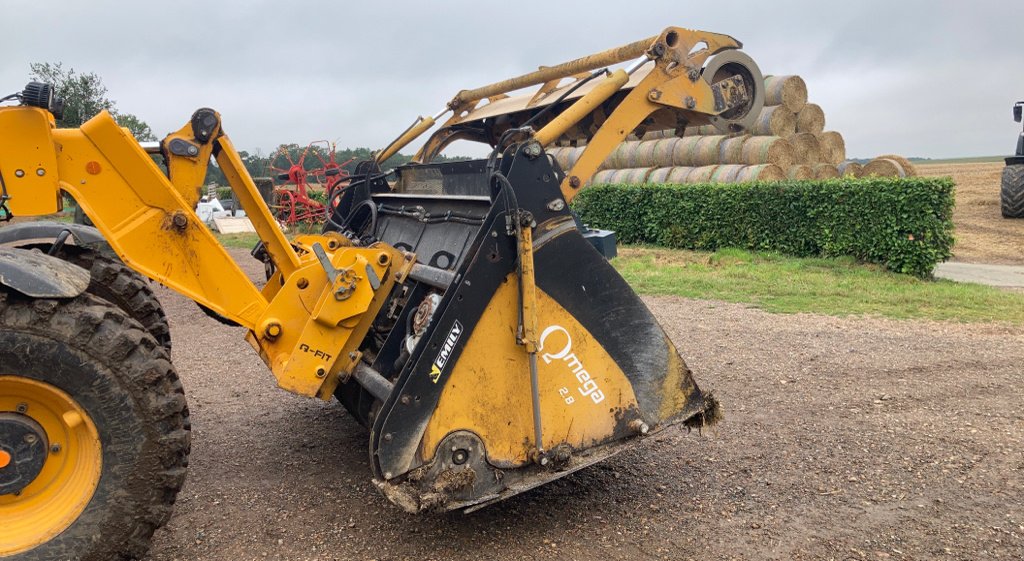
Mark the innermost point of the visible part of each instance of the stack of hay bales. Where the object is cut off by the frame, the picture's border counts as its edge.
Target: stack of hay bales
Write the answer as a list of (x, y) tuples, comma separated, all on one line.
[(788, 141)]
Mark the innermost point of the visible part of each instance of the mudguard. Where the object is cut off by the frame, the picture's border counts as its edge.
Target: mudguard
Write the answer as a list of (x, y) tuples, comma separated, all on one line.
[(43, 230), (38, 275)]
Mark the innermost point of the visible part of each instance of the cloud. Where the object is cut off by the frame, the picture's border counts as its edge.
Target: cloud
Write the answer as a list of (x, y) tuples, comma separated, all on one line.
[(918, 78)]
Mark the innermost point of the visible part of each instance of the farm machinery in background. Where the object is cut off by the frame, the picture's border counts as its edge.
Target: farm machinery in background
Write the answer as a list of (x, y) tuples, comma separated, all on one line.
[(296, 200), (1011, 193)]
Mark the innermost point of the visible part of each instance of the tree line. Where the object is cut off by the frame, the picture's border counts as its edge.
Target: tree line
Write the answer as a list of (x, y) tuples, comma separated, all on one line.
[(85, 95)]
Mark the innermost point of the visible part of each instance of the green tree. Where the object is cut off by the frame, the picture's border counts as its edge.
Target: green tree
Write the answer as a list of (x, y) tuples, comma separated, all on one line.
[(84, 96), (139, 128)]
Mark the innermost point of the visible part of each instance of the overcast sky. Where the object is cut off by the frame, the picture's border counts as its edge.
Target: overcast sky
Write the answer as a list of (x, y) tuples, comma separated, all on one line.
[(932, 79)]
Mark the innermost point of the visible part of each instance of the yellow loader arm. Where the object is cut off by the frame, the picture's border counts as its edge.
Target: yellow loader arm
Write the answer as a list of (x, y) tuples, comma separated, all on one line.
[(308, 329), (677, 79)]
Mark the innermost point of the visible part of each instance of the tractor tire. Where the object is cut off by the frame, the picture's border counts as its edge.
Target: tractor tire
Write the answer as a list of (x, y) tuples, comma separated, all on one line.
[(114, 282), (116, 455), (1012, 192)]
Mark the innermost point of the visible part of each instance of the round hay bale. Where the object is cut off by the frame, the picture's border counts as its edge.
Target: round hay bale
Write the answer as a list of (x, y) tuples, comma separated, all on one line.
[(659, 175), (566, 156), (603, 177), (787, 91), (767, 150), (730, 151), (908, 168), (850, 168), (760, 172), (775, 120), (632, 176), (825, 171), (619, 156), (560, 155), (631, 155), (800, 172), (573, 155), (810, 119), (883, 167), (697, 151), (833, 147), (806, 149), (678, 175), (701, 174), (656, 153), (726, 173), (702, 130)]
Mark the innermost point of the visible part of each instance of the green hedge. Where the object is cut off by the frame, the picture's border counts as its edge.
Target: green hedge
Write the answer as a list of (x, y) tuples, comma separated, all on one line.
[(904, 224)]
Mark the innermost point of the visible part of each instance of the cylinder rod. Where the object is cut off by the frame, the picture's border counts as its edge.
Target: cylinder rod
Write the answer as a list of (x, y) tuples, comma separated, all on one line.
[(546, 74), (582, 107)]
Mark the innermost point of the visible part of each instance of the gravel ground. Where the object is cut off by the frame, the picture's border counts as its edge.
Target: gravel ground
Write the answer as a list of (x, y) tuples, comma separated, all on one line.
[(843, 439)]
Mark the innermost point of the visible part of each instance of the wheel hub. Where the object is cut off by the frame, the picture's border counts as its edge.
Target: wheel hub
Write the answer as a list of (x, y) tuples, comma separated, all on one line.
[(54, 461), (23, 451)]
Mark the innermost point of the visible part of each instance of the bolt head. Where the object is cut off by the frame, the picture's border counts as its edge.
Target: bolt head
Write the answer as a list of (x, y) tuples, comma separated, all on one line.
[(556, 205), (273, 331), (54, 449), (40, 172), (19, 173), (388, 437), (321, 372), (21, 407)]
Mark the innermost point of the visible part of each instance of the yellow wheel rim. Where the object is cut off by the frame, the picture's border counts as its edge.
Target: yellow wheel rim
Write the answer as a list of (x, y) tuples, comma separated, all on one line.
[(68, 479)]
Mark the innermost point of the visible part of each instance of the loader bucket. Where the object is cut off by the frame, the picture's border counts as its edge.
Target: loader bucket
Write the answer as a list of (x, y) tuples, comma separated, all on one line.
[(457, 431)]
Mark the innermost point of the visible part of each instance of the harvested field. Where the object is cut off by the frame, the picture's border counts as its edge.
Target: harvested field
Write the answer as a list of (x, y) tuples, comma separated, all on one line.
[(843, 439), (982, 234)]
